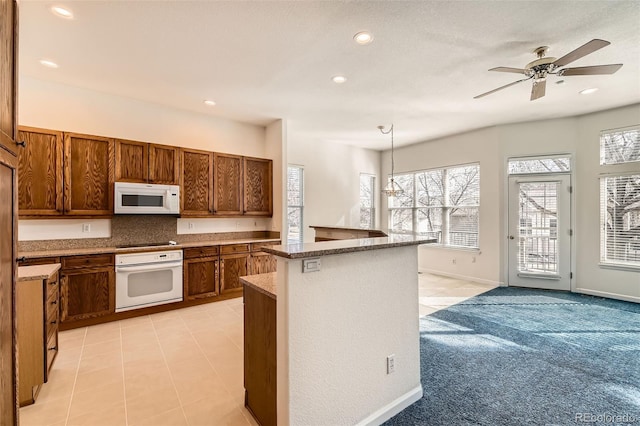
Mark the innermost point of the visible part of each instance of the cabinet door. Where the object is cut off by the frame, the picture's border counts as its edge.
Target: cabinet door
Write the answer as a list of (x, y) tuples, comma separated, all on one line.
[(88, 293), (8, 75), (201, 278), (88, 175), (258, 187), (132, 161), (262, 262), (227, 181), (196, 184), (232, 267), (40, 166), (164, 164)]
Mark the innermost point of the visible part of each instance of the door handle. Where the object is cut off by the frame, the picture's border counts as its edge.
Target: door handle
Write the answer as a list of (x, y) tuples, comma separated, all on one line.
[(511, 237)]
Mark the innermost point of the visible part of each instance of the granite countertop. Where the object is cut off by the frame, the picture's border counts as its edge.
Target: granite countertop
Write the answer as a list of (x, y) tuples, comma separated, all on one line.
[(116, 250), (264, 283), (37, 272), (326, 248), (347, 228)]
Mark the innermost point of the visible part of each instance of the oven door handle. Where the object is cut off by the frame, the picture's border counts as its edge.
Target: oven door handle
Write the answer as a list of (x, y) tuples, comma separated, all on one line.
[(149, 267)]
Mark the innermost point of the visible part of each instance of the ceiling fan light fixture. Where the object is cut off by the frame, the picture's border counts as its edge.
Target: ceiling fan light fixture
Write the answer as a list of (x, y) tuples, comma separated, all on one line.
[(588, 91)]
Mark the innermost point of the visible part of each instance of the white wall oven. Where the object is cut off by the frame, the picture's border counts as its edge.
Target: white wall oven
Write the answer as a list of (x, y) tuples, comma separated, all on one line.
[(143, 198), (148, 279)]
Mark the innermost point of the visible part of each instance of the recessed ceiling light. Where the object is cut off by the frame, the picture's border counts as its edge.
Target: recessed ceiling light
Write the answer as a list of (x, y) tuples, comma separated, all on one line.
[(339, 79), (589, 91), (47, 63), (363, 37), (210, 103), (62, 12)]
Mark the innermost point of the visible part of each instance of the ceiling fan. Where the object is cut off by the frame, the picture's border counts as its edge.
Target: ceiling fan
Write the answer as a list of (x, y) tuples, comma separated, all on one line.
[(539, 69)]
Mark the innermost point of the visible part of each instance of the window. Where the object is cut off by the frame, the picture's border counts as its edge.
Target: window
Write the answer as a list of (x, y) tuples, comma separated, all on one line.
[(440, 203), (367, 201), (548, 164), (295, 204), (620, 197)]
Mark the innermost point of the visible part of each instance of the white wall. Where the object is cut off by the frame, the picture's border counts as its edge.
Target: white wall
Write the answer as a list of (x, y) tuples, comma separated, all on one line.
[(276, 149), (491, 147), (60, 107), (336, 328), (332, 181)]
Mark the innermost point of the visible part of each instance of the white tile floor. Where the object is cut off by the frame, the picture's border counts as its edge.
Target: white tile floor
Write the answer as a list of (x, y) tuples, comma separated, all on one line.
[(182, 367)]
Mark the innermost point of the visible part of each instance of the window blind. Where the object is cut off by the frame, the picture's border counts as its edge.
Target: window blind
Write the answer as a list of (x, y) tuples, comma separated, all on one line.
[(620, 219)]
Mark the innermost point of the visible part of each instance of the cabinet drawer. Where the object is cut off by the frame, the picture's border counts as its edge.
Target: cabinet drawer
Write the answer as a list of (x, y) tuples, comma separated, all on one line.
[(234, 248), (38, 261), (53, 287), (91, 261), (52, 322), (195, 252), (258, 246)]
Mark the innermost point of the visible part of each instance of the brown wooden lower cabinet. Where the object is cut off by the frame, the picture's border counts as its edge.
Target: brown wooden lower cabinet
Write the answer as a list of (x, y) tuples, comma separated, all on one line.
[(260, 357), (262, 262), (87, 291), (232, 267), (201, 273)]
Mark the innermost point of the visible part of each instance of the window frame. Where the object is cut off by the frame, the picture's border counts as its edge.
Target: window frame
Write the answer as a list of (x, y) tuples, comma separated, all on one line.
[(299, 207), (445, 207)]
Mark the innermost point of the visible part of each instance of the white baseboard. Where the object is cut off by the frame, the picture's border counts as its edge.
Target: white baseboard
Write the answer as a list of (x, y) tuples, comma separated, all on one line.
[(462, 277), (608, 295), (394, 407)]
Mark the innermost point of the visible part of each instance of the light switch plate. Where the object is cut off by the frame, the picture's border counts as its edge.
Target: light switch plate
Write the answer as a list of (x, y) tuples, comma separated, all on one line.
[(310, 265)]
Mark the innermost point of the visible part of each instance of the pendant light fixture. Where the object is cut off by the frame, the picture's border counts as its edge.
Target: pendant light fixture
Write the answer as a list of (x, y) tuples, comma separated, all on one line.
[(392, 189)]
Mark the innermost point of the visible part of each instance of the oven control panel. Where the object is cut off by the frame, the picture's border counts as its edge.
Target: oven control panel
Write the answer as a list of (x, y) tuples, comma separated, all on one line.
[(149, 257)]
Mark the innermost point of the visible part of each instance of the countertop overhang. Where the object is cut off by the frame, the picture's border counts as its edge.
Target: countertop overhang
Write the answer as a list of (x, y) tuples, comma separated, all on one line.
[(327, 248), (37, 272)]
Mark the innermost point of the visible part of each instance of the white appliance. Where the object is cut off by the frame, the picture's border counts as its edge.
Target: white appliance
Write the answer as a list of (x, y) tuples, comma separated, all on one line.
[(145, 198), (148, 279)]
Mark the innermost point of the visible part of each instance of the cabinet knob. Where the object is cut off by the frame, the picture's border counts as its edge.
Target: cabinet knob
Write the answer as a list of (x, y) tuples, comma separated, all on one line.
[(53, 283), (53, 322), (22, 144), (54, 348), (21, 259), (55, 302)]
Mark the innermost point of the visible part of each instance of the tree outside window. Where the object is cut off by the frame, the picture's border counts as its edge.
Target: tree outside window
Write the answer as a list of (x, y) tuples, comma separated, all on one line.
[(295, 204), (367, 201)]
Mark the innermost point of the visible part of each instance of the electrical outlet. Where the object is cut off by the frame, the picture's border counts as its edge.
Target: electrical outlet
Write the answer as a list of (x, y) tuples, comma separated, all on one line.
[(191, 225), (86, 227), (391, 363), (453, 261)]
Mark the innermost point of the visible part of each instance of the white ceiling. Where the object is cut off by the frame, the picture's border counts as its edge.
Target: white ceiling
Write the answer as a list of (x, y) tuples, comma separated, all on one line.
[(264, 60)]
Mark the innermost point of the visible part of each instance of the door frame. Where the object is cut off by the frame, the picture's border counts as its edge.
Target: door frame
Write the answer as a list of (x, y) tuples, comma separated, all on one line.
[(504, 246)]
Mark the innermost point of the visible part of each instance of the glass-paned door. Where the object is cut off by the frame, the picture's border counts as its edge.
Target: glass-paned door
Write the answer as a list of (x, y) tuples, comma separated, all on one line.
[(539, 231)]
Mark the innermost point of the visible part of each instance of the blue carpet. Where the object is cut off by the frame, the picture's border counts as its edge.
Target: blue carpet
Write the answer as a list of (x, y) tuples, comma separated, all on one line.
[(518, 356)]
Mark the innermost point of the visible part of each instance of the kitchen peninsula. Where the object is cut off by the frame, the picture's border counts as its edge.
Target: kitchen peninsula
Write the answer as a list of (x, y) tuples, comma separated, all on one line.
[(347, 327)]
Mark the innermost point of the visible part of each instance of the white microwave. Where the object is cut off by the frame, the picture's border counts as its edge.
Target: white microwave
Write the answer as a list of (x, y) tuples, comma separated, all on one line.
[(143, 198)]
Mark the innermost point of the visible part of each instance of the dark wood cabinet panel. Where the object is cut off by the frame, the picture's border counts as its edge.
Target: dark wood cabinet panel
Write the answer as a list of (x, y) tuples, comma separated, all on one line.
[(227, 196), (201, 278), (132, 161), (258, 187), (196, 183), (262, 262), (8, 75), (40, 167), (88, 175), (8, 210), (87, 293), (232, 267), (164, 164)]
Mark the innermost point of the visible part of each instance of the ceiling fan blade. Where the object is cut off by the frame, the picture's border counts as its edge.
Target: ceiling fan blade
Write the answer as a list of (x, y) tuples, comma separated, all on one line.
[(539, 87), (508, 69), (500, 88), (594, 70), (581, 51)]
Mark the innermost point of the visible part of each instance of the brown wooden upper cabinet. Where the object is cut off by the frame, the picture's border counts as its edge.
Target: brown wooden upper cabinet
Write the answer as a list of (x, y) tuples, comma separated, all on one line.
[(40, 184), (227, 184), (258, 187), (196, 183), (8, 76), (88, 175), (146, 163)]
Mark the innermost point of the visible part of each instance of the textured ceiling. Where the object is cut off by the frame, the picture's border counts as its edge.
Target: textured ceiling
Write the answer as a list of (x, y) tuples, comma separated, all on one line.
[(264, 60)]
